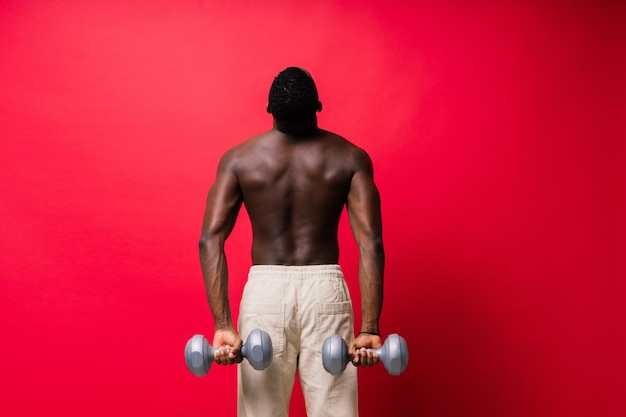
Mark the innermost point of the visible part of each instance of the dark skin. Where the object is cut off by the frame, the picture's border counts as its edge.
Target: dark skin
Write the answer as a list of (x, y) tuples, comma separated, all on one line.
[(294, 181)]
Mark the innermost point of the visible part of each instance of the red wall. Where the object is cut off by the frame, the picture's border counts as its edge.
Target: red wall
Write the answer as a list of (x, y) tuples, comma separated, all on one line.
[(497, 133)]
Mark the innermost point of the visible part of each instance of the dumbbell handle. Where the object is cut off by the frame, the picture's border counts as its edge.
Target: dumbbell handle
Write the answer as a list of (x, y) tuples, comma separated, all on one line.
[(394, 354)]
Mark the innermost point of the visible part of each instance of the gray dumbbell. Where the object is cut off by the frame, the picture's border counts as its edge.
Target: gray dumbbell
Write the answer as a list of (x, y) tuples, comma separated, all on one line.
[(394, 354), (199, 354)]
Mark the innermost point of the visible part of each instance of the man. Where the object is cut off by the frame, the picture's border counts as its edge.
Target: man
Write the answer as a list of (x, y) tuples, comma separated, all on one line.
[(295, 180)]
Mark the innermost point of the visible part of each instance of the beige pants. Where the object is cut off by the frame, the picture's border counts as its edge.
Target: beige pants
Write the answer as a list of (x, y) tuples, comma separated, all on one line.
[(299, 306)]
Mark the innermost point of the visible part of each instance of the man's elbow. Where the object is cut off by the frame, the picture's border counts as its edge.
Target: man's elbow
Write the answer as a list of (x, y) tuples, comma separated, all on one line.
[(373, 245), (210, 242), (203, 243)]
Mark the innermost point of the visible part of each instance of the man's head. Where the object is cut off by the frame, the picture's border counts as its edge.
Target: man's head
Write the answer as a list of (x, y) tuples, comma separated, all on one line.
[(293, 96)]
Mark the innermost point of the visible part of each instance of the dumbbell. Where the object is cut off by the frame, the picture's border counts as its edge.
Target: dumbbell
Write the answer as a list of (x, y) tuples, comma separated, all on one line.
[(199, 354), (394, 354)]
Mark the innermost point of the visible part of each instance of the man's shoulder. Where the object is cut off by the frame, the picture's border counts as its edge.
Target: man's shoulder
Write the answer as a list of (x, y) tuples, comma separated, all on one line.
[(351, 150), (350, 155), (247, 147), (341, 142)]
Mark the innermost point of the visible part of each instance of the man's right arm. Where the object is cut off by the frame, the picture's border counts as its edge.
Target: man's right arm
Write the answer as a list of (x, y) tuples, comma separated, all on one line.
[(222, 207), (365, 220)]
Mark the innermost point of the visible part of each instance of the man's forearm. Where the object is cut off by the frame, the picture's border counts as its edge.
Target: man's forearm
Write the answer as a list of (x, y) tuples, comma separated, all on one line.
[(371, 271), (215, 273)]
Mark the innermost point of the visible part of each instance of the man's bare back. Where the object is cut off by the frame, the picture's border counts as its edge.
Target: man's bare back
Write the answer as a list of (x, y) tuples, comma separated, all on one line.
[(294, 189)]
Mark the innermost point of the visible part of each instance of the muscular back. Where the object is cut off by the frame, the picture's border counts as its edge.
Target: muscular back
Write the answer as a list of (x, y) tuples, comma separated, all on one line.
[(294, 189)]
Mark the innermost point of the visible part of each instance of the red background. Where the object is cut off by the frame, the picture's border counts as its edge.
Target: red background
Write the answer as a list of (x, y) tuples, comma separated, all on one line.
[(497, 133)]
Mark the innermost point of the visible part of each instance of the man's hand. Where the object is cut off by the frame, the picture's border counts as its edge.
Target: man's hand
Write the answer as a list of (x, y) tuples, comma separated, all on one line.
[(228, 345), (359, 352)]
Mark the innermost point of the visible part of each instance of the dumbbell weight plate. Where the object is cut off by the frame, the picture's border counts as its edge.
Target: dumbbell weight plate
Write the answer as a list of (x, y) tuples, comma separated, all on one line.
[(334, 354), (258, 349), (396, 349), (198, 355)]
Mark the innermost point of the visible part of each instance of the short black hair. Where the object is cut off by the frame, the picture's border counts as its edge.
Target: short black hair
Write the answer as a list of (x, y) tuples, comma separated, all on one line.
[(293, 95)]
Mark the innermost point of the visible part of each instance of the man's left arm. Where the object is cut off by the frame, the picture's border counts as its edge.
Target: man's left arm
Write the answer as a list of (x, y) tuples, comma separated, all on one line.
[(222, 207)]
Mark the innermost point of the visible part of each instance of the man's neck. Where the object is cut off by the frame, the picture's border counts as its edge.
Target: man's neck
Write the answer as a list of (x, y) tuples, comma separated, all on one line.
[(297, 128)]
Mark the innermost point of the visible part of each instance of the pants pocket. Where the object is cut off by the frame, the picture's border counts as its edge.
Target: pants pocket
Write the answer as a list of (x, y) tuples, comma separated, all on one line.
[(334, 318), (269, 317)]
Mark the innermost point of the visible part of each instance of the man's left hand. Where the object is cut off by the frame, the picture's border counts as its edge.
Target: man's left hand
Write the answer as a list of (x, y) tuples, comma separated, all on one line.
[(360, 352)]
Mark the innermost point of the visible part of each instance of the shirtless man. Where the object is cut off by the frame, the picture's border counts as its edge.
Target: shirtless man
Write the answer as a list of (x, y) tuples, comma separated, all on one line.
[(294, 181)]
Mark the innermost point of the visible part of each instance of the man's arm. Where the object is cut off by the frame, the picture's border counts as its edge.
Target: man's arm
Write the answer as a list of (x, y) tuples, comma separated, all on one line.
[(365, 220), (222, 208)]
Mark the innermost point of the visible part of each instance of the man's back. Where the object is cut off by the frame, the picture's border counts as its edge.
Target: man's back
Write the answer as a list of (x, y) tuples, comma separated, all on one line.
[(294, 189)]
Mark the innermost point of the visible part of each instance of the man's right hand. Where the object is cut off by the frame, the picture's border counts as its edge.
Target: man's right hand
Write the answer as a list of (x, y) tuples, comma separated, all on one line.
[(228, 345)]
